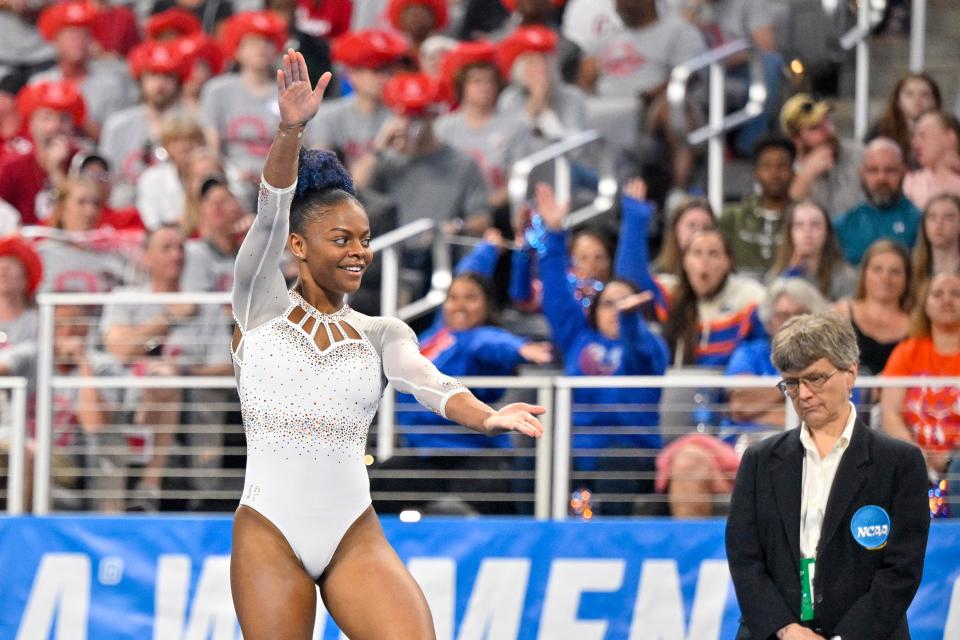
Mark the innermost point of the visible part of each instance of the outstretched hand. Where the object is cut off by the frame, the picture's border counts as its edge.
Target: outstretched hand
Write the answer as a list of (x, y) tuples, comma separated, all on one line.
[(519, 417), (551, 210), (298, 101)]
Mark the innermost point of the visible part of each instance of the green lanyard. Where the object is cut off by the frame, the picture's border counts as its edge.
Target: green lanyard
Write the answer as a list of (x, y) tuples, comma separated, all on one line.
[(806, 588)]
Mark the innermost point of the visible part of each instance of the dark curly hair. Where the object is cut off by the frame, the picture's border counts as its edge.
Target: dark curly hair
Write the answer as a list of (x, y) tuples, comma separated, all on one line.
[(322, 183)]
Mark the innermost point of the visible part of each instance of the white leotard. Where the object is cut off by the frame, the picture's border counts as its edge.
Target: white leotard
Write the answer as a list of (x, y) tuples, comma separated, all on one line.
[(306, 411)]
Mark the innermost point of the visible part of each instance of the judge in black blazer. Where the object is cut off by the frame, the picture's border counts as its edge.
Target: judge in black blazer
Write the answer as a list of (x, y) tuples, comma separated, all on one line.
[(828, 523)]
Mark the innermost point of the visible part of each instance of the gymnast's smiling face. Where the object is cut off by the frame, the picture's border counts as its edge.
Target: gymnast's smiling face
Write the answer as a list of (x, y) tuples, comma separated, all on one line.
[(334, 248)]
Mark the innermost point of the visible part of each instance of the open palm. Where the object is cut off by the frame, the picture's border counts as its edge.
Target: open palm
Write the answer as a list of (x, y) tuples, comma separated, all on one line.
[(298, 101)]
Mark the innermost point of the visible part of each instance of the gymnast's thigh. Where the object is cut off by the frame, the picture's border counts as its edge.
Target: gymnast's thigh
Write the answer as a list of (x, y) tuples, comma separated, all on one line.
[(273, 595), (368, 590)]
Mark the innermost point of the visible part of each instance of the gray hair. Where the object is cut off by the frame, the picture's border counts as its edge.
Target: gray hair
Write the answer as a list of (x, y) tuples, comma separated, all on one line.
[(801, 290), (805, 339)]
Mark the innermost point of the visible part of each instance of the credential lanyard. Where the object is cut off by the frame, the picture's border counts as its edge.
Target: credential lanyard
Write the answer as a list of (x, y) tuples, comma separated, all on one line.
[(807, 567)]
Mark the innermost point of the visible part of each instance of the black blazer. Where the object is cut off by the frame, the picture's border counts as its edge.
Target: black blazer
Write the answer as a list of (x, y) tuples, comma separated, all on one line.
[(859, 593)]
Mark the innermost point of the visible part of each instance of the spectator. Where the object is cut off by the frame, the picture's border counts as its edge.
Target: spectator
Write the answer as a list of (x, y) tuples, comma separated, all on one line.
[(914, 95), (686, 219), (164, 340), (210, 257), (938, 248), (553, 109), (935, 140), (211, 13), (785, 298), (417, 19), (433, 50), (810, 250), (589, 22), (52, 111), (349, 125), (13, 138), (529, 13), (465, 341), (20, 273), (886, 213), (201, 164), (68, 25), (493, 139), (115, 28), (171, 24), (881, 304), (91, 165), (23, 48), (76, 260), (753, 226), (160, 188), (424, 176), (204, 60), (613, 339), (927, 415), (827, 168), (236, 109), (131, 138), (637, 61), (711, 309), (723, 21)]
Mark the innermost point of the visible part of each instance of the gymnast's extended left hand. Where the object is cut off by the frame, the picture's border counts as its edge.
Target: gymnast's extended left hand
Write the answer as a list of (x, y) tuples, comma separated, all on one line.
[(519, 417)]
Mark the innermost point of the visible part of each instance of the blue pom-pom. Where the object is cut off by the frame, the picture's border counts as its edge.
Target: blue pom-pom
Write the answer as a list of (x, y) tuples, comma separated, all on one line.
[(320, 170)]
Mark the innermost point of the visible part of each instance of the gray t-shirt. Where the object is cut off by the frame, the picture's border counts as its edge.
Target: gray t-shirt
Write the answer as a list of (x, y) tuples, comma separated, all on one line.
[(94, 269), (199, 340), (206, 268), (494, 146), (22, 44), (105, 91), (635, 61), (127, 144), (442, 185), (340, 125), (839, 189), (728, 20), (245, 122), (568, 104), (18, 344)]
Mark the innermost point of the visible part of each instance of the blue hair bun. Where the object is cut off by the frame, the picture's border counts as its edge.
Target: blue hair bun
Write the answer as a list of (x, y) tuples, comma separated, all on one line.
[(320, 170)]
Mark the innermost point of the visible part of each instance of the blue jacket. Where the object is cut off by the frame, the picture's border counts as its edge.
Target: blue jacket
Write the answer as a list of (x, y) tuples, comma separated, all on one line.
[(587, 352)]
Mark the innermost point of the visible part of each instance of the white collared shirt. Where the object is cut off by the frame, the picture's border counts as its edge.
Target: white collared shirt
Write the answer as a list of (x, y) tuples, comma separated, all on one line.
[(818, 475)]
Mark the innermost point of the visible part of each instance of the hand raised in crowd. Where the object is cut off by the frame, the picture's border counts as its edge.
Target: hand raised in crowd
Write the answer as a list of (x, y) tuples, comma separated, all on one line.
[(391, 134), (537, 352), (636, 188), (298, 101), (820, 159), (634, 301), (551, 210)]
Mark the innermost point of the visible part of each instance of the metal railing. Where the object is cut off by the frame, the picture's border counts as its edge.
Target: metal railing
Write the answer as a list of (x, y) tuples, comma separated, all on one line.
[(519, 188), (857, 37), (718, 123), (16, 415), (918, 34)]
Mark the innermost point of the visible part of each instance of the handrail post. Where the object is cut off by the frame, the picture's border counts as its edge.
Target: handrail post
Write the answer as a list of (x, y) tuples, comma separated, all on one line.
[(18, 441), (918, 32), (44, 417), (544, 452), (716, 143), (862, 95), (561, 449), (389, 281)]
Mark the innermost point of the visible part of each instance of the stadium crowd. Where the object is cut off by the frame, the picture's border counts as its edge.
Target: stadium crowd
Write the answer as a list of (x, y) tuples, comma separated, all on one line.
[(132, 137)]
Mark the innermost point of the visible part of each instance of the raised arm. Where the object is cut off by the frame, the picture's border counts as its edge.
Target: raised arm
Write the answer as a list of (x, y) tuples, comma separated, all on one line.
[(259, 290)]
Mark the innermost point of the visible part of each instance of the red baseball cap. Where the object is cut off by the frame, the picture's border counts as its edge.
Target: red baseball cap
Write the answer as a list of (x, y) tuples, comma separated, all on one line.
[(16, 247), (155, 56), (535, 39), (55, 95), (267, 24), (439, 8), (412, 94), (60, 15), (370, 48), (462, 56), (199, 46), (511, 5), (174, 22)]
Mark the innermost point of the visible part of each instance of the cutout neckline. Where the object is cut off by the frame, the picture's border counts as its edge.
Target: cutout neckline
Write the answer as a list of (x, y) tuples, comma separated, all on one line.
[(339, 314)]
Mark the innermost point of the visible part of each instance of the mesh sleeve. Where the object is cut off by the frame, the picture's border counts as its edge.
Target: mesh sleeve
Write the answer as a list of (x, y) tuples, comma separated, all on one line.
[(411, 372), (259, 290)]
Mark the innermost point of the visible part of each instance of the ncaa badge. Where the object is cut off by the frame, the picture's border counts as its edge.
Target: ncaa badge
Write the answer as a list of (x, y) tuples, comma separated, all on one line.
[(870, 527)]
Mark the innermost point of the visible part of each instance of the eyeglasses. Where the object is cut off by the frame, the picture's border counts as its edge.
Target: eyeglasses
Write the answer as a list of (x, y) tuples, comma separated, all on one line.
[(790, 387)]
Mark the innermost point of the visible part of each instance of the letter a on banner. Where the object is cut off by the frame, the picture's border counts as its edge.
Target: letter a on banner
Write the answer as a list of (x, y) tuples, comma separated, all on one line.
[(61, 594)]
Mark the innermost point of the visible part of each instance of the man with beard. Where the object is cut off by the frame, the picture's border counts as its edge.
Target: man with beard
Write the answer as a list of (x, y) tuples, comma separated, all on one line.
[(886, 212), (827, 167), (753, 225)]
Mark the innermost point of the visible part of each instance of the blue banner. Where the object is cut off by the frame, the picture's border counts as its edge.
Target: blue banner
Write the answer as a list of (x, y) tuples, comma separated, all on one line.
[(167, 578)]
